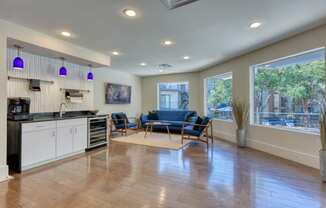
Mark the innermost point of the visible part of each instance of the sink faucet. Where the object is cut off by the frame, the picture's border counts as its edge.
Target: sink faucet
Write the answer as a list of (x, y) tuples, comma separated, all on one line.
[(61, 112)]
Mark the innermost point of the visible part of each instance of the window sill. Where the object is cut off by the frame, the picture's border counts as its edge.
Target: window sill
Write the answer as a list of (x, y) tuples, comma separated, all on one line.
[(287, 129)]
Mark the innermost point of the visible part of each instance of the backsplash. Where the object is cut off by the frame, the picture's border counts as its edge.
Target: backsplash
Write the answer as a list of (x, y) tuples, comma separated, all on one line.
[(50, 97)]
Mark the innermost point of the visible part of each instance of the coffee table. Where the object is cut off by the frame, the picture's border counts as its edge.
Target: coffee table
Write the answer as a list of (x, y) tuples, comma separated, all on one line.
[(149, 126)]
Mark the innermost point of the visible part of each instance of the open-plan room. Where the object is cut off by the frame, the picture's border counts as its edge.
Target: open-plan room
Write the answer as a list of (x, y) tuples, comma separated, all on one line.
[(162, 103)]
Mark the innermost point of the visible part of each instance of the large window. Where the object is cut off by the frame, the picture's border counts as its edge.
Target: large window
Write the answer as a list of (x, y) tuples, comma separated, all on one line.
[(219, 96), (289, 92), (173, 96)]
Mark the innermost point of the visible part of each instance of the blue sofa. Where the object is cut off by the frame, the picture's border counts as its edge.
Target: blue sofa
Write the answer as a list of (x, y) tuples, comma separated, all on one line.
[(175, 118)]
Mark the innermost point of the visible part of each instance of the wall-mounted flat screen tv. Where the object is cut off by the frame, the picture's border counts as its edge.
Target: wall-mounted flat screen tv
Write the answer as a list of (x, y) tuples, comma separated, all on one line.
[(117, 94)]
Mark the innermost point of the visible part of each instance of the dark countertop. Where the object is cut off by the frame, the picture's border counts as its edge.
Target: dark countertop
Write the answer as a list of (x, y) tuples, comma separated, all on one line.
[(54, 116)]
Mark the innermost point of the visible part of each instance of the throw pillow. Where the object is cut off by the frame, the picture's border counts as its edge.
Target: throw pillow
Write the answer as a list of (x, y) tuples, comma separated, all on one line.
[(190, 117), (198, 121), (152, 115)]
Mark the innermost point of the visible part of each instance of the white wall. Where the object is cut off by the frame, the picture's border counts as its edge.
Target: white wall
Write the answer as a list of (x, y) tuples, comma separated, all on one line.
[(10, 30), (296, 146), (3, 106), (149, 90), (50, 96), (106, 75)]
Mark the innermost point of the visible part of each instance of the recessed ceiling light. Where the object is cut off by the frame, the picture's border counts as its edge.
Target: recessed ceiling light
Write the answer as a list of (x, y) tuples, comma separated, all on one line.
[(116, 53), (129, 12), (65, 33), (186, 57), (143, 64), (255, 25), (167, 42), (161, 70)]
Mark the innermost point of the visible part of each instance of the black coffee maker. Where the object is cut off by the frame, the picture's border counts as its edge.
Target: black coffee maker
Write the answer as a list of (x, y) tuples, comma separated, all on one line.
[(18, 109)]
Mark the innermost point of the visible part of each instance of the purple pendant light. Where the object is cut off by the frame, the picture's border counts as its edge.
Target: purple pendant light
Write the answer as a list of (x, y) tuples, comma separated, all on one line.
[(90, 76), (18, 62), (63, 72)]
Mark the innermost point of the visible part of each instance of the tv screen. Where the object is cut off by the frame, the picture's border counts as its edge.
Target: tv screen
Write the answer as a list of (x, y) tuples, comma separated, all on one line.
[(117, 94)]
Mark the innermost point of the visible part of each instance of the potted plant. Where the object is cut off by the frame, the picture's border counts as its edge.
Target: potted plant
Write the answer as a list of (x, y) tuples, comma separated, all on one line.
[(322, 152), (240, 112)]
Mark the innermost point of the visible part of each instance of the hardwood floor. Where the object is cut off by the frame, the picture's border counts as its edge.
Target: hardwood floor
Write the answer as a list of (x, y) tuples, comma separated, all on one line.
[(125, 175)]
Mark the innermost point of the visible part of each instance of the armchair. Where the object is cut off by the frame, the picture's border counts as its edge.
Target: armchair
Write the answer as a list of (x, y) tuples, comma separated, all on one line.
[(119, 122), (198, 131)]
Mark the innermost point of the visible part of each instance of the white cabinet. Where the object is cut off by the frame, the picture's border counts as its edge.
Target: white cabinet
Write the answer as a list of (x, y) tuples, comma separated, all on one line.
[(72, 136), (64, 141), (38, 143), (52, 140), (80, 138)]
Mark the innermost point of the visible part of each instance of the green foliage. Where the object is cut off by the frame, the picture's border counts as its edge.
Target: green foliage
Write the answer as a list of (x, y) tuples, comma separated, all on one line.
[(303, 82), (221, 93)]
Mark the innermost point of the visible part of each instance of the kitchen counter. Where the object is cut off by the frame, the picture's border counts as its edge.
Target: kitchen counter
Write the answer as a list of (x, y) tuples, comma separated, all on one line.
[(41, 117)]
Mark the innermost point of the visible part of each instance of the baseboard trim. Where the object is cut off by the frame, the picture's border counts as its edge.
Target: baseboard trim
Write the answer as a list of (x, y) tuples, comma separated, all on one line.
[(4, 173), (299, 157)]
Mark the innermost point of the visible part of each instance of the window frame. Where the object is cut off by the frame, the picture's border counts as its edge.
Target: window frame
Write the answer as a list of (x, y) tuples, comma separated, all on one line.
[(206, 94), (158, 92), (252, 92)]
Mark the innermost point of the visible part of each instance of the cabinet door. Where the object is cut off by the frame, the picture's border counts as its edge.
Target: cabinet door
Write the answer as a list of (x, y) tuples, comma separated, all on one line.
[(80, 138), (64, 140), (38, 146)]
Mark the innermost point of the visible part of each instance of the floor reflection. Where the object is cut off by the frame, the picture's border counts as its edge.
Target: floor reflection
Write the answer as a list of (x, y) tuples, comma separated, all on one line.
[(124, 175)]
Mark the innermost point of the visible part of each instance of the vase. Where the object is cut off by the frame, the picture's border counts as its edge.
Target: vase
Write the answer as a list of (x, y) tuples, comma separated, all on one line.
[(241, 137), (322, 158)]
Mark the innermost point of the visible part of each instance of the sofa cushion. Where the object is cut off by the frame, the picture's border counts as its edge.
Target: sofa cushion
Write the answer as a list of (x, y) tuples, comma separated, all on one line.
[(171, 115), (204, 122), (189, 131), (143, 119)]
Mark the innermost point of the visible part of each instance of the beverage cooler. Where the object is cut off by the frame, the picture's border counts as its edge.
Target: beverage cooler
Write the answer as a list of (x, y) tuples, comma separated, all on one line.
[(97, 131)]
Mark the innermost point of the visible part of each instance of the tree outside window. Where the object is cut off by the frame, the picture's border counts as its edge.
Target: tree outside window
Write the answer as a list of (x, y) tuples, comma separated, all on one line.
[(290, 92), (219, 96)]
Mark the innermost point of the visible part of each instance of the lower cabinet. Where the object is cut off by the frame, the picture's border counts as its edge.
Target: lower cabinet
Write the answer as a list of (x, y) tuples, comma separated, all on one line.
[(52, 140), (38, 146), (64, 141), (79, 141), (72, 136)]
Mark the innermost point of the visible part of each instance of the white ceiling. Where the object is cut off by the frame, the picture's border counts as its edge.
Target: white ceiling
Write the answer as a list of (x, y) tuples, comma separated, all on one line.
[(209, 31)]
